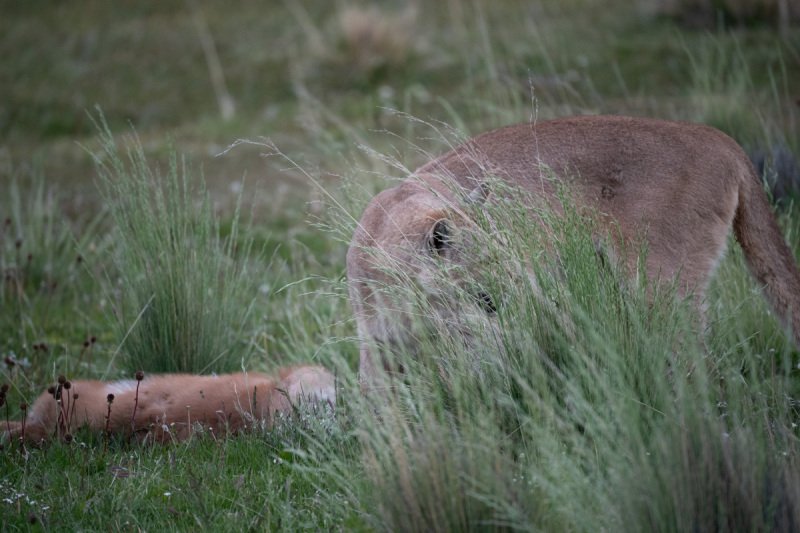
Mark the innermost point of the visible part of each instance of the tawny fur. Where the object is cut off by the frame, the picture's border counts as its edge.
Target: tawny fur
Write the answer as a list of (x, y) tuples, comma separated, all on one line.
[(171, 406), (682, 186)]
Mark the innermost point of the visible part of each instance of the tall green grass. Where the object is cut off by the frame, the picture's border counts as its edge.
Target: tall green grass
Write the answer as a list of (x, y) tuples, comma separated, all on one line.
[(49, 262), (184, 293), (589, 402)]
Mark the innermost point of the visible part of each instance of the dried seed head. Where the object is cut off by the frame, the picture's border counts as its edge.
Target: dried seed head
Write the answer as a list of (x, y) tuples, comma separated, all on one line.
[(61, 379), (75, 396), (93, 339), (23, 406), (32, 519), (30, 258), (85, 344), (4, 388), (9, 361), (18, 243), (79, 259), (51, 390), (139, 375), (67, 385), (110, 398), (68, 438)]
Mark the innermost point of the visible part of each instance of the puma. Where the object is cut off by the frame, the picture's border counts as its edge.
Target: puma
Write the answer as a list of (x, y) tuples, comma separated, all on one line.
[(682, 186), (172, 406)]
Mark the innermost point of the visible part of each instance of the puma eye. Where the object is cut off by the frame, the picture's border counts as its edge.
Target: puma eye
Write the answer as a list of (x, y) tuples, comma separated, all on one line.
[(439, 238)]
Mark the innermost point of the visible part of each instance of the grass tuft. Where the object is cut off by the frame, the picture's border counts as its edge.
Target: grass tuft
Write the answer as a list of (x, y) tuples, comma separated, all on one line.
[(184, 293)]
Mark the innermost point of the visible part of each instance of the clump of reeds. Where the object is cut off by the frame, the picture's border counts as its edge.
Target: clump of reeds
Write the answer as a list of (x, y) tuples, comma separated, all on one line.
[(184, 292)]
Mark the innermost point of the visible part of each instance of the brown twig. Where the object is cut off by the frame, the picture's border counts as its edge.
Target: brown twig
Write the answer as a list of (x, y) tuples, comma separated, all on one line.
[(110, 399), (66, 406), (24, 408), (3, 391), (139, 378), (72, 413), (88, 344), (59, 396), (53, 391)]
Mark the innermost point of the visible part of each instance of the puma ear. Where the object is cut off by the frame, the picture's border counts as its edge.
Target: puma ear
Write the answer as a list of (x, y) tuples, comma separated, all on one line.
[(439, 238), (479, 194)]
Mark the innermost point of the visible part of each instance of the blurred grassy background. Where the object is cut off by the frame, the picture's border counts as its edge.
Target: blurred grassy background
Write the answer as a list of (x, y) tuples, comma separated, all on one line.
[(307, 74)]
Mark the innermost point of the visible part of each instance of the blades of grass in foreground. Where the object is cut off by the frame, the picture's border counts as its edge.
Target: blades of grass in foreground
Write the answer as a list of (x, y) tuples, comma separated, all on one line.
[(595, 405)]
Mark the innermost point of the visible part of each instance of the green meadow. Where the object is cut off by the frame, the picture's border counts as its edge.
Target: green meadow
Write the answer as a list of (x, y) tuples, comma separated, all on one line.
[(179, 182)]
